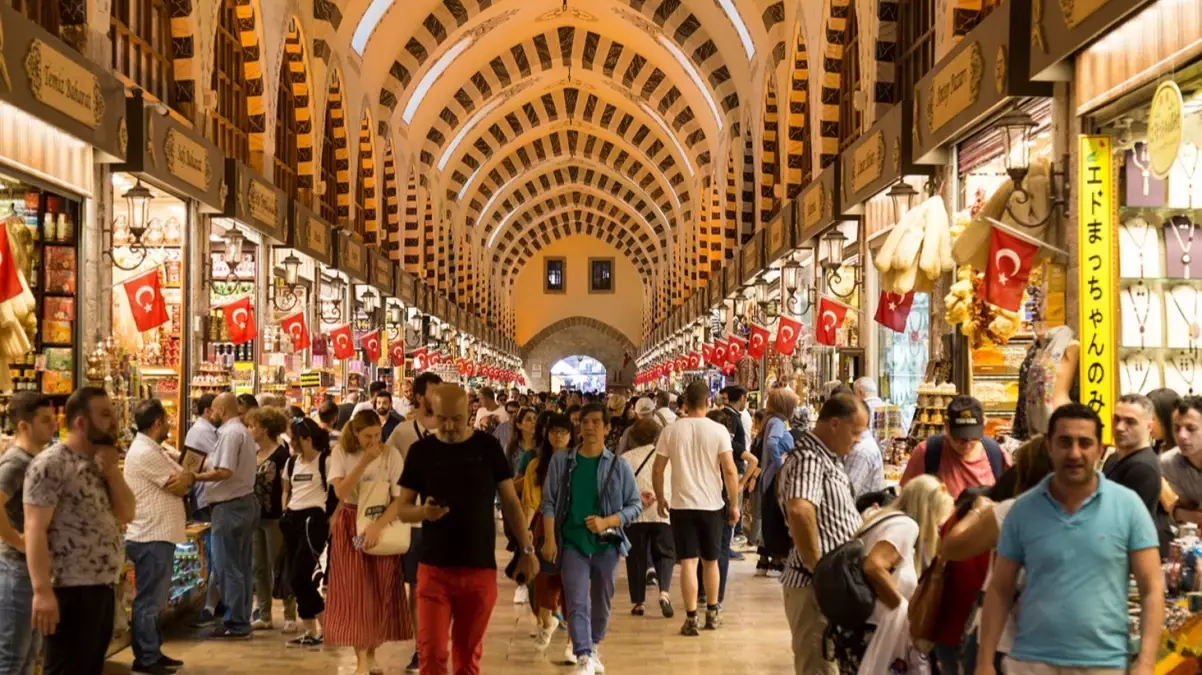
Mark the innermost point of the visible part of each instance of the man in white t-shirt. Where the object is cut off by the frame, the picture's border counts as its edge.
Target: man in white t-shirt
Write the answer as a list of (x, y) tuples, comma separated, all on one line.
[(489, 408), (702, 462)]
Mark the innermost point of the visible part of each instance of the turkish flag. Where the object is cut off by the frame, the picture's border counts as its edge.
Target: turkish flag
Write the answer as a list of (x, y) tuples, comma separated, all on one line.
[(1010, 260), (396, 353), (694, 361), (344, 342), (735, 348), (830, 317), (370, 342), (720, 351), (758, 341), (294, 326), (420, 360), (787, 333), (707, 353), (892, 310), (10, 278), (240, 320), (145, 300)]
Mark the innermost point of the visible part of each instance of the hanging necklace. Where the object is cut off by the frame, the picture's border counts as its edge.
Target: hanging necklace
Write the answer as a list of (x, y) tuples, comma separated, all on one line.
[(1140, 245), (1142, 165), (1188, 148), (1140, 363), (1195, 331), (1189, 364), (1175, 225), (1142, 321)]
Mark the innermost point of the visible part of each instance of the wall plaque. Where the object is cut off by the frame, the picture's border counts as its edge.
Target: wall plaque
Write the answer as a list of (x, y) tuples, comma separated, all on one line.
[(317, 235), (813, 206), (59, 82), (955, 87), (263, 203), (188, 160), (352, 257), (868, 162)]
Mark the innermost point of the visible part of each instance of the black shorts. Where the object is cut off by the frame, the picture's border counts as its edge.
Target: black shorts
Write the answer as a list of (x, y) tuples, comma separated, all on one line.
[(413, 556), (697, 534)]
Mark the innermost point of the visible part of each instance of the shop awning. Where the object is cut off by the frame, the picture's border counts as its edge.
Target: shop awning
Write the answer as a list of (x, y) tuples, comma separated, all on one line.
[(311, 235), (352, 257), (880, 158), (1060, 29), (978, 76), (43, 76), (172, 155), (820, 201), (255, 202)]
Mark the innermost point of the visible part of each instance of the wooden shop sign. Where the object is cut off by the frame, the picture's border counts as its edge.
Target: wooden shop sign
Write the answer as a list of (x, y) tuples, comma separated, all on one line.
[(172, 155), (752, 257), (1164, 128), (383, 275), (1061, 28), (311, 235), (880, 158), (352, 256), (253, 200)]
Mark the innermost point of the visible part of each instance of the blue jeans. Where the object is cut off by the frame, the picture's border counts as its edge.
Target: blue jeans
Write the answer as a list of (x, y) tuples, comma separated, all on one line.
[(234, 524), (19, 642), (588, 591), (152, 575), (728, 533)]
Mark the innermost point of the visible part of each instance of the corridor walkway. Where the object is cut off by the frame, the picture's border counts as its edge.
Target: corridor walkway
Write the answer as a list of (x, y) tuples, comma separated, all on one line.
[(755, 639)]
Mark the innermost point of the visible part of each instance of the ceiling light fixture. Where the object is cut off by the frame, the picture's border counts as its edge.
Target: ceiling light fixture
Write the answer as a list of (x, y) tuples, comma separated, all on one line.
[(693, 75), (367, 24), (432, 75), (732, 13)]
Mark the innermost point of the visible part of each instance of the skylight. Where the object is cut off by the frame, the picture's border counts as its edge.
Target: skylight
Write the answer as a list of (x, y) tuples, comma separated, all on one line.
[(432, 76), (732, 13), (693, 75), (463, 131), (367, 24), (668, 132)]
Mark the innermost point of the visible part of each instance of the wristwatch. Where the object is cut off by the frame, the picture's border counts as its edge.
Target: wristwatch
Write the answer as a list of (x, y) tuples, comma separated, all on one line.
[(528, 549)]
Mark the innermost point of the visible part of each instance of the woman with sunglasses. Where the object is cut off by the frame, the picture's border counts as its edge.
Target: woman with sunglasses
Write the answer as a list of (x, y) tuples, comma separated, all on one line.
[(305, 525)]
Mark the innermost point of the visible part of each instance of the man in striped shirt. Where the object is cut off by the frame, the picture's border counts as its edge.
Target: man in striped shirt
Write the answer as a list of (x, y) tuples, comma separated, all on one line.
[(815, 496)]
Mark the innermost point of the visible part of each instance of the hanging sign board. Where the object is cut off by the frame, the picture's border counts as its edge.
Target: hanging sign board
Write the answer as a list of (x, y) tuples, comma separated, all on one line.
[(1164, 128), (254, 201), (382, 272), (956, 86), (352, 257), (1097, 246), (311, 235), (820, 202), (780, 232), (404, 287), (1060, 29), (752, 257), (880, 158), (172, 155)]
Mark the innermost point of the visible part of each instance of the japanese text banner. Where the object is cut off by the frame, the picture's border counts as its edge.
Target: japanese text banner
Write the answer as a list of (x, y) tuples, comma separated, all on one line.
[(1099, 270)]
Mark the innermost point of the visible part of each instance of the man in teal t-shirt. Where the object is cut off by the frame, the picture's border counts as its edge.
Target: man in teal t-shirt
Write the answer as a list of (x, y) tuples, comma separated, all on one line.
[(1078, 537), (585, 502)]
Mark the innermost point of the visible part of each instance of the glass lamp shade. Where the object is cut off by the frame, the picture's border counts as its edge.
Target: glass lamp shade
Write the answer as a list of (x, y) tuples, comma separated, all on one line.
[(233, 246), (740, 305), (791, 275), (368, 302), (724, 313), (833, 243), (394, 315), (902, 194), (291, 266), (137, 200), (1016, 142), (762, 294)]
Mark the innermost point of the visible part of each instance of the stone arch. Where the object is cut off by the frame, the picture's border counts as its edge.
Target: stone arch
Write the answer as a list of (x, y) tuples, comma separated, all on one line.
[(411, 241), (252, 47), (391, 241), (835, 25), (749, 200), (730, 219), (335, 141), (581, 335), (300, 78), (184, 65), (772, 12), (566, 223), (770, 151), (799, 161), (365, 181)]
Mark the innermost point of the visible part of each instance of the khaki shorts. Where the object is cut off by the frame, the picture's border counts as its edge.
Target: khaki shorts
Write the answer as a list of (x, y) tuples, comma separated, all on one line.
[(1016, 667)]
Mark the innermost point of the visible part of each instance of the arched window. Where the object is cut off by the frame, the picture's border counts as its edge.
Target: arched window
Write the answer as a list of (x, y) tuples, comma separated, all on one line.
[(850, 117), (329, 169), (229, 123), (286, 158), (141, 40), (916, 26), (42, 12)]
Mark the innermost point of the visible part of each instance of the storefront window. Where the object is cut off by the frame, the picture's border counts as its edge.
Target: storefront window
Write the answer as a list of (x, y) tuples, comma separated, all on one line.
[(282, 365), (229, 122), (141, 39), (234, 253), (903, 359), (332, 312)]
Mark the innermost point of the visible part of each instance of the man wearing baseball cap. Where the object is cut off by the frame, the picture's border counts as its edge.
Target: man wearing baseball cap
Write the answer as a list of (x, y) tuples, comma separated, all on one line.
[(961, 457)]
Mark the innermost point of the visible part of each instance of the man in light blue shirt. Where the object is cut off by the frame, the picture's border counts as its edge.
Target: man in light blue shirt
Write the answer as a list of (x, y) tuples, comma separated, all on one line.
[(231, 495), (1078, 537), (202, 438)]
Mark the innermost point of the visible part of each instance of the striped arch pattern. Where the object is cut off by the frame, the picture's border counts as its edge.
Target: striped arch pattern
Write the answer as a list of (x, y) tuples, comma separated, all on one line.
[(575, 175), (887, 14), (561, 107), (580, 200), (411, 236), (773, 14), (710, 239), (183, 50), (561, 207), (390, 242), (253, 68), (966, 14), (796, 147), (565, 46), (465, 270), (835, 36), (721, 244), (770, 149), (298, 78), (428, 237), (570, 143), (442, 260), (367, 174), (749, 200), (72, 22), (336, 118), (730, 219), (565, 225)]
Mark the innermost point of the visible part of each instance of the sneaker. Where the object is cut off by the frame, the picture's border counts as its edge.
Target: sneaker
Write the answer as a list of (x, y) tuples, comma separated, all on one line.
[(586, 666), (761, 571), (652, 579), (563, 625), (690, 627), (170, 662), (205, 619), (290, 627), (542, 638), (638, 610), (156, 668), (306, 640), (735, 555), (739, 540), (521, 596), (223, 633), (259, 624), (665, 607), (414, 664), (597, 665), (569, 656), (774, 574), (713, 618)]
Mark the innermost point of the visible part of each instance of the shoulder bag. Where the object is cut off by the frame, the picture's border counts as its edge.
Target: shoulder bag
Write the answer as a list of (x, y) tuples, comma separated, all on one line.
[(374, 498)]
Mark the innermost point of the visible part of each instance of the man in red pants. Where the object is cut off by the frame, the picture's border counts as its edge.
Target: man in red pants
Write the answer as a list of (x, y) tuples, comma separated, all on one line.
[(458, 471)]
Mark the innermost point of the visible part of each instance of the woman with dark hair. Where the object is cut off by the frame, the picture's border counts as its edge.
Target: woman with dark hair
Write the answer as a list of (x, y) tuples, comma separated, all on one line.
[(267, 427), (1164, 402), (522, 446), (556, 433), (305, 525)]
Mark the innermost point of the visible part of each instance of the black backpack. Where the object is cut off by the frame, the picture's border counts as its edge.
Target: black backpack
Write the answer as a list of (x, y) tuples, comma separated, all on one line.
[(844, 595), (774, 527), (997, 460)]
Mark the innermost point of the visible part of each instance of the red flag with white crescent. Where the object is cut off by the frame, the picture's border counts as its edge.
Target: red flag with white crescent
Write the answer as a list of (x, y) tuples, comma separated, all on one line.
[(893, 309), (736, 346), (370, 342), (787, 332), (240, 320), (421, 361), (145, 300), (343, 341), (757, 342), (694, 360), (396, 353), (294, 327), (830, 317), (707, 353), (1010, 260)]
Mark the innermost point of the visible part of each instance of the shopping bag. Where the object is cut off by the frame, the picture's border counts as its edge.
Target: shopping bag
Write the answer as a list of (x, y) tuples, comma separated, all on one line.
[(374, 498)]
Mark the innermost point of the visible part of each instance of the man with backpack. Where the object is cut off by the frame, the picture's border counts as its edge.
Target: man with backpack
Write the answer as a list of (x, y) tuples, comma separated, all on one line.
[(813, 494), (961, 457)]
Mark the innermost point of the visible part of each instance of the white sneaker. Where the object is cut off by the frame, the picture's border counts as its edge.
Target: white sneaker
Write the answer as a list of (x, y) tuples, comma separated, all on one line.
[(261, 625), (290, 627), (522, 595), (586, 666), (542, 638), (598, 667), (569, 656), (761, 571), (774, 574)]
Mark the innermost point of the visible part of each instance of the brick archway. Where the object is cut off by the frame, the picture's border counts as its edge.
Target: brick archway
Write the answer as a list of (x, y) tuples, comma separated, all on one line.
[(579, 336)]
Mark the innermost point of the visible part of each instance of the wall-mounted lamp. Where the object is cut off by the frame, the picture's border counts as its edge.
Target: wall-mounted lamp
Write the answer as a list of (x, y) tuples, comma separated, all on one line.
[(1017, 128), (331, 310), (394, 322), (902, 194), (285, 296), (137, 203), (367, 302), (793, 276), (832, 264)]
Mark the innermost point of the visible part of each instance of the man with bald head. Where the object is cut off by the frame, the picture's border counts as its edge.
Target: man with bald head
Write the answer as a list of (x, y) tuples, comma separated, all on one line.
[(230, 492), (458, 472)]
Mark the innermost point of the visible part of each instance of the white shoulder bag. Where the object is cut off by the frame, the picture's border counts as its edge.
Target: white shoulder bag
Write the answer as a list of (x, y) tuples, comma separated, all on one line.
[(374, 498)]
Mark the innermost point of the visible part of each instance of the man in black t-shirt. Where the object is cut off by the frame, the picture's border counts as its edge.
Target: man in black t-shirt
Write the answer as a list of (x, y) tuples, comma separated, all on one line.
[(459, 472), (1134, 463)]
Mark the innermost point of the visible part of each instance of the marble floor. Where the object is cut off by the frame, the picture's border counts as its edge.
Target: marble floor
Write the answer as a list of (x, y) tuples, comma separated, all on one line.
[(754, 639)]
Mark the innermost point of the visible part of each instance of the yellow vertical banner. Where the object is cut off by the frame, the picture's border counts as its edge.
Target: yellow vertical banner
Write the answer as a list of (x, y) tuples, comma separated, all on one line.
[(1098, 256)]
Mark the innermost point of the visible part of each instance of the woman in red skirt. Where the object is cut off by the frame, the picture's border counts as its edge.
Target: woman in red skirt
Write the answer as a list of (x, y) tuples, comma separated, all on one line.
[(365, 602)]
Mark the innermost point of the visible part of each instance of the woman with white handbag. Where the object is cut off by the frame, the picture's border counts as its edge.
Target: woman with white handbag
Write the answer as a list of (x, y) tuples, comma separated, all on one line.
[(365, 603)]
